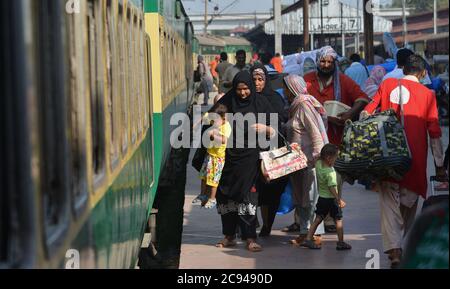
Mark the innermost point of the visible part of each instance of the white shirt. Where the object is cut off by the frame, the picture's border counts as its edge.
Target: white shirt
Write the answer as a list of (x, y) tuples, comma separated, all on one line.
[(396, 73)]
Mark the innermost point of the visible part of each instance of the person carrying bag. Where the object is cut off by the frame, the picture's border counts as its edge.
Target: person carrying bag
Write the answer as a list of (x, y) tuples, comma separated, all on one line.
[(283, 161), (375, 147)]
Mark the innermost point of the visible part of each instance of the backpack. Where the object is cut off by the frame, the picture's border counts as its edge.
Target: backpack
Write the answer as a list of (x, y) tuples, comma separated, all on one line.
[(374, 149), (197, 76)]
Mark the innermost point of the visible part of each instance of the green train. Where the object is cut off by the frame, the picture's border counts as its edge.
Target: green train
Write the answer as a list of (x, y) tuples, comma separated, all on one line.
[(88, 90)]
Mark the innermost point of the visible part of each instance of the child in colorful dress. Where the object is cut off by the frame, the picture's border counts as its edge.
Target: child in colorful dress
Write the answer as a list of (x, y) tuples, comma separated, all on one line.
[(214, 162)]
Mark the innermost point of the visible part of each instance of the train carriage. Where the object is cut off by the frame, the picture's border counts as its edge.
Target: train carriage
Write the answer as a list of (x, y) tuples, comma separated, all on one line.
[(89, 90)]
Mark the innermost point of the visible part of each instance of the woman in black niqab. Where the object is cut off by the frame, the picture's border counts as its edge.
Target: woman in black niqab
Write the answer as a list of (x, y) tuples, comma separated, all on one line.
[(237, 197)]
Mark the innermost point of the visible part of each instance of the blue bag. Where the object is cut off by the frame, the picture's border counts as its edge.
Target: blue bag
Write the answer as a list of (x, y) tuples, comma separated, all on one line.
[(388, 65), (286, 203)]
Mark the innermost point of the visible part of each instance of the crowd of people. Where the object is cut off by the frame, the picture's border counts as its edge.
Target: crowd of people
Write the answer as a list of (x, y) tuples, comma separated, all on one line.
[(231, 177)]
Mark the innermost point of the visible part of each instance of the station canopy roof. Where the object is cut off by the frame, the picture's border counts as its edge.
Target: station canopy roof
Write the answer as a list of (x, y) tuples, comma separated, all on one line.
[(221, 41), (210, 40), (336, 19)]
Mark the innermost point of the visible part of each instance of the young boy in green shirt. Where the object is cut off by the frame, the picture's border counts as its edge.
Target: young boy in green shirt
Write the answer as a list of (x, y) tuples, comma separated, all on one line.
[(329, 201)]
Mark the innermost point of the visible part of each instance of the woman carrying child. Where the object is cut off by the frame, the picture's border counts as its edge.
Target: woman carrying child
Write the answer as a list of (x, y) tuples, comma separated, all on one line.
[(237, 197)]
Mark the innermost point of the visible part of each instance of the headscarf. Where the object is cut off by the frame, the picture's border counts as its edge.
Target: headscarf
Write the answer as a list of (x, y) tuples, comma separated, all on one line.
[(344, 63), (309, 65), (374, 81), (200, 58), (242, 164), (273, 97), (297, 85), (259, 71), (376, 76), (238, 104), (329, 51)]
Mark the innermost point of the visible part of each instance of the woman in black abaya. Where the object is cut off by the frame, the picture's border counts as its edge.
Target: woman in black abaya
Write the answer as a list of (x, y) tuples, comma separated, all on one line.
[(269, 193), (237, 197)]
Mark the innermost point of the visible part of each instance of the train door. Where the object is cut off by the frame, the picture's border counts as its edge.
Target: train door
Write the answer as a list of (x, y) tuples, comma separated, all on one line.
[(17, 210)]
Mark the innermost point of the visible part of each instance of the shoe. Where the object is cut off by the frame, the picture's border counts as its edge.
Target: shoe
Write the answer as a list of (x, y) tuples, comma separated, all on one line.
[(395, 255), (299, 240), (311, 245), (211, 204), (254, 247), (200, 199), (318, 240), (292, 228), (226, 243), (302, 237), (341, 246)]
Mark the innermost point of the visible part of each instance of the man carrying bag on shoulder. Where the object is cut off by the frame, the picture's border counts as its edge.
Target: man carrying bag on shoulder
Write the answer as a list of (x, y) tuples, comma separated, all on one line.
[(398, 199)]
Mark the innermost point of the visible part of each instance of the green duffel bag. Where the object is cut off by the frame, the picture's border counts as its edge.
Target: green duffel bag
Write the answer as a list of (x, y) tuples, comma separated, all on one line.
[(373, 149)]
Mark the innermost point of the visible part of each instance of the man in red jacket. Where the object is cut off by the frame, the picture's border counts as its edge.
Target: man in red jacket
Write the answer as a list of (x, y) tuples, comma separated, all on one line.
[(398, 199), (328, 83)]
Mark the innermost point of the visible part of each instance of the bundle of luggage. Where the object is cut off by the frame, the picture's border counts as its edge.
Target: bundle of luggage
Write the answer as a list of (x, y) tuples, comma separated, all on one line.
[(373, 149)]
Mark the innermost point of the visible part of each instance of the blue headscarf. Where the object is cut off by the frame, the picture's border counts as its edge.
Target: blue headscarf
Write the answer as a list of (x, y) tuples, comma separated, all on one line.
[(329, 51)]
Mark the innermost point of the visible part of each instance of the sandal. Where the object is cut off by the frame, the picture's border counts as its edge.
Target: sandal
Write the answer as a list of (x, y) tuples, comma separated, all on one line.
[(311, 245), (341, 246), (395, 256), (226, 243), (254, 247), (200, 199), (292, 228), (298, 241), (210, 204)]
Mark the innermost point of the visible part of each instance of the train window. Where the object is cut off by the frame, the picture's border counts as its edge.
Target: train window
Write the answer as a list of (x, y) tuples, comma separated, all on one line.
[(131, 76), (147, 81), (77, 119), (143, 78), (139, 76), (164, 69), (178, 9), (148, 74), (123, 60), (97, 91), (111, 49), (52, 108), (171, 64)]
